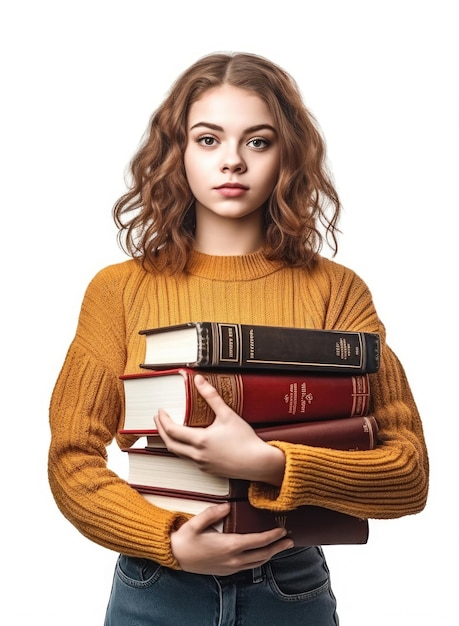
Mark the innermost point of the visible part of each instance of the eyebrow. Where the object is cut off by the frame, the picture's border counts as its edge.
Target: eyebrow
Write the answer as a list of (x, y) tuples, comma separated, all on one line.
[(251, 129)]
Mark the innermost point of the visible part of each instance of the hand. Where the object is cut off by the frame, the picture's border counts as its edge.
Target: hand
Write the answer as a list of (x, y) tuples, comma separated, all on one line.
[(200, 549), (228, 447)]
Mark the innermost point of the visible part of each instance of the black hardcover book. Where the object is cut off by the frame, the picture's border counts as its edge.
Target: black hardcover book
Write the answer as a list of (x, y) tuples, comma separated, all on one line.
[(226, 345)]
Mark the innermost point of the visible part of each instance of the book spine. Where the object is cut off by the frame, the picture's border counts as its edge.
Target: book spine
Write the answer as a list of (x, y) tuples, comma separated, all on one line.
[(276, 347), (307, 525), (355, 433), (262, 398)]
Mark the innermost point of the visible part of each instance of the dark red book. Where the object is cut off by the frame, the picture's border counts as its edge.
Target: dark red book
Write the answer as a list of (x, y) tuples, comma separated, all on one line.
[(226, 345), (306, 525), (353, 433), (258, 397)]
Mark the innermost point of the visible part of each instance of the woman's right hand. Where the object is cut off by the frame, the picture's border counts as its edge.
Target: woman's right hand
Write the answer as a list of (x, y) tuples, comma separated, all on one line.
[(200, 549)]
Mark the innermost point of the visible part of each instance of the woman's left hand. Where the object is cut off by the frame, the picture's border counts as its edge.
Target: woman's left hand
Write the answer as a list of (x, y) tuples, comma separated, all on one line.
[(228, 447)]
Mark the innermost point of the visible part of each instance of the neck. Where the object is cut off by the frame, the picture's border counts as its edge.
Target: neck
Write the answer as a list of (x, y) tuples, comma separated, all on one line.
[(220, 236)]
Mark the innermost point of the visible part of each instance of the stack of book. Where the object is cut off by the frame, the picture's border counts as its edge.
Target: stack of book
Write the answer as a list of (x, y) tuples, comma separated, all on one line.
[(306, 386)]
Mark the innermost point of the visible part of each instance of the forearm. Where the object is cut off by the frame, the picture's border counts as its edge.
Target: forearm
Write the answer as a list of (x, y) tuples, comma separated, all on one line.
[(84, 418), (109, 512), (387, 482)]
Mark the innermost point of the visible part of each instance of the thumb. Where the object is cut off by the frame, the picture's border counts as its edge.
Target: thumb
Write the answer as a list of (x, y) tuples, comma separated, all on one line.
[(210, 394), (209, 516)]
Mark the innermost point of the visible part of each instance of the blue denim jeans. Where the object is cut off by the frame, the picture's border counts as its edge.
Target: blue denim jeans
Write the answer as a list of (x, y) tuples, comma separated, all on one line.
[(292, 589)]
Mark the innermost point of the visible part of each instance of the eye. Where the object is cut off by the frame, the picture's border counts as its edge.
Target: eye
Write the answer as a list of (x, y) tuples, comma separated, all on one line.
[(258, 143), (206, 140)]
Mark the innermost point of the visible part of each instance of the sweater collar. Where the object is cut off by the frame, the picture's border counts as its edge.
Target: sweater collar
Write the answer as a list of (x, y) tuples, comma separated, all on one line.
[(230, 268)]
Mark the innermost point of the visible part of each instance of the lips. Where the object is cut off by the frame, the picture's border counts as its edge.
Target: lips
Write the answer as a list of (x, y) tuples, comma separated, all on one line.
[(232, 186), (231, 190)]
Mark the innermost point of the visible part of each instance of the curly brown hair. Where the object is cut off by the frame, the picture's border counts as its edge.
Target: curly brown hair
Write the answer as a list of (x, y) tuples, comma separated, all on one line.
[(157, 213)]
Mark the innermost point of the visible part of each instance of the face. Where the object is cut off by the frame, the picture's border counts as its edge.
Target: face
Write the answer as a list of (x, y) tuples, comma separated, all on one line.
[(232, 153)]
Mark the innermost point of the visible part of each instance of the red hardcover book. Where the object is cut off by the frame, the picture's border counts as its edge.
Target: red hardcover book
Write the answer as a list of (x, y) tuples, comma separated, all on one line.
[(307, 525), (258, 397), (227, 345), (353, 433)]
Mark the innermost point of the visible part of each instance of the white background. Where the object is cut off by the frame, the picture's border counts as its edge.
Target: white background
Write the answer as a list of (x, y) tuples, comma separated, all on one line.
[(79, 81)]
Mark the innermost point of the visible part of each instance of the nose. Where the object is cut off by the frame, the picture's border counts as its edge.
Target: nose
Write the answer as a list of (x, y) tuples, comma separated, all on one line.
[(233, 162)]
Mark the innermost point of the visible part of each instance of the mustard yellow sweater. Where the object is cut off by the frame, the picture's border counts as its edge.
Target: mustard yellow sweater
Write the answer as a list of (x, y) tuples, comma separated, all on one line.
[(86, 406)]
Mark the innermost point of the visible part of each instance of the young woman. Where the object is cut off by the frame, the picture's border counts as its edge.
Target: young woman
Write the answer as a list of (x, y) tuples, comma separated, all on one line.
[(229, 206)]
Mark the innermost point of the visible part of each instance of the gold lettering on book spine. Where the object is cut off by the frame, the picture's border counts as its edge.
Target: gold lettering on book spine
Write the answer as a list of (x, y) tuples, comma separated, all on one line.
[(230, 387), (200, 412), (360, 395)]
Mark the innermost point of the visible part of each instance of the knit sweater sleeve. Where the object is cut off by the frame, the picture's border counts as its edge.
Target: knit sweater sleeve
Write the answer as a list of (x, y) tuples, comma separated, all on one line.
[(85, 410), (387, 482)]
